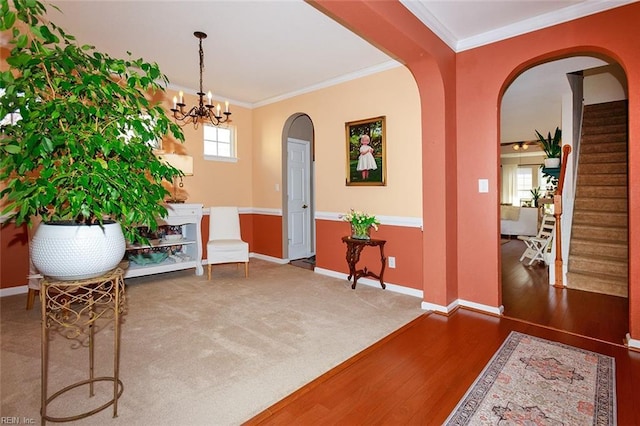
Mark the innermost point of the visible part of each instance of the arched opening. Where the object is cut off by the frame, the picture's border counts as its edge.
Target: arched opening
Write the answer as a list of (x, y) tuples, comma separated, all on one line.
[(594, 212), (298, 201)]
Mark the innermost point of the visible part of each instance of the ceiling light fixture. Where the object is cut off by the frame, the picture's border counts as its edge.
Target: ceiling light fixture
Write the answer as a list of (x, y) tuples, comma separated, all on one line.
[(520, 146), (201, 112)]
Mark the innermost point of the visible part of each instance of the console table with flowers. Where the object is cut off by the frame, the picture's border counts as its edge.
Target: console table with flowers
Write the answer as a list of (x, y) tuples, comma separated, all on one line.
[(354, 248)]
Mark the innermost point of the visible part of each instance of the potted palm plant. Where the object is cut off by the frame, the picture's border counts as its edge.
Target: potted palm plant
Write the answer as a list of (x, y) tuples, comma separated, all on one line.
[(79, 157), (535, 196), (551, 147)]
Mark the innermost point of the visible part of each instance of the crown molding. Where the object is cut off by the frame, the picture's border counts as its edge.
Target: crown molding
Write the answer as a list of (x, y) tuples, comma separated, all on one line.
[(332, 82), (546, 20), (420, 10), (569, 13)]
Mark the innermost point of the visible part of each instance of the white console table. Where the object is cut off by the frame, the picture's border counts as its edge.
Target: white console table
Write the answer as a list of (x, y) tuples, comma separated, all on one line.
[(189, 217)]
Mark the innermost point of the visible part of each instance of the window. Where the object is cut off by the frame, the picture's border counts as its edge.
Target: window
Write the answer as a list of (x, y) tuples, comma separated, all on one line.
[(524, 183), (219, 143)]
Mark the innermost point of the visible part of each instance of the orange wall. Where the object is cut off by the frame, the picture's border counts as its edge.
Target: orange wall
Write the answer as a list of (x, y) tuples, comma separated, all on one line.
[(460, 136), (14, 261), (483, 74), (403, 243), (390, 26)]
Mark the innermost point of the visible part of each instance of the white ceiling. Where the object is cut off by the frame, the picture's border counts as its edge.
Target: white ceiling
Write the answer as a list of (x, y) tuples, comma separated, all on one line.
[(258, 52), (261, 51)]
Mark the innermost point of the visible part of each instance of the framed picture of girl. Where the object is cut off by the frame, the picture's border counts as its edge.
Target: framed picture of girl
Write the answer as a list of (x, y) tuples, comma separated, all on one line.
[(366, 152)]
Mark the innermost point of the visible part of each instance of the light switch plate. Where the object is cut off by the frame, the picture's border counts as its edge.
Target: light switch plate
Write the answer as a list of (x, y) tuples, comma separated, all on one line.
[(483, 185)]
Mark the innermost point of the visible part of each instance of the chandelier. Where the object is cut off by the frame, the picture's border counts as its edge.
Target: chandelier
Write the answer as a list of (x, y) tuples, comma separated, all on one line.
[(203, 111)]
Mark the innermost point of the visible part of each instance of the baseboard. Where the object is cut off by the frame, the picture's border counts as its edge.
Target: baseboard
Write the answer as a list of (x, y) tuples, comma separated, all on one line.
[(10, 291), (372, 283), (461, 303), (440, 309), (269, 258), (482, 308), (633, 344)]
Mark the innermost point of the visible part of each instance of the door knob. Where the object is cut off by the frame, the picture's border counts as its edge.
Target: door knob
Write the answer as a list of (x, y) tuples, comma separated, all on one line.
[(304, 206)]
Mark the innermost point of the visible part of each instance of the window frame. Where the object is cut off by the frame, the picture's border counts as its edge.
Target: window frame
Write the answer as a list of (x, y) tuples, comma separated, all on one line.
[(233, 157), (527, 174)]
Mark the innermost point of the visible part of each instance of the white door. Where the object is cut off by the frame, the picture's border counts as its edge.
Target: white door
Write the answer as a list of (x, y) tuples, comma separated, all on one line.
[(298, 195)]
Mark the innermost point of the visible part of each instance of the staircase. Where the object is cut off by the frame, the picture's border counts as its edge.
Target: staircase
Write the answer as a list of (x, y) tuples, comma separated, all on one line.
[(598, 255)]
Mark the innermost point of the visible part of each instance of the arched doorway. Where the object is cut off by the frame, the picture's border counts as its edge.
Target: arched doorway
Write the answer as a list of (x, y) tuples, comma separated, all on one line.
[(298, 203), (541, 98)]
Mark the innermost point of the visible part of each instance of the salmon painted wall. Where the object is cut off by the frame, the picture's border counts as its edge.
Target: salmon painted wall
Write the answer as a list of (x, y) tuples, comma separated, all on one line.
[(480, 77), (14, 261), (483, 74), (404, 243), (392, 28)]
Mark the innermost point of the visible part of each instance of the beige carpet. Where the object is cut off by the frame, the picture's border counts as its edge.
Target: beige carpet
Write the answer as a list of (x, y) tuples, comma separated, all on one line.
[(203, 353)]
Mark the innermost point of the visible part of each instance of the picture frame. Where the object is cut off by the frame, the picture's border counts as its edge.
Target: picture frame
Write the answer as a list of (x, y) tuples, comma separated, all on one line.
[(366, 167)]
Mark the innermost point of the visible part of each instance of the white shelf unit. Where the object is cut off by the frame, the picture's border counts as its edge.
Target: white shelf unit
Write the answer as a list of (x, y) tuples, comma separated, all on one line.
[(189, 217)]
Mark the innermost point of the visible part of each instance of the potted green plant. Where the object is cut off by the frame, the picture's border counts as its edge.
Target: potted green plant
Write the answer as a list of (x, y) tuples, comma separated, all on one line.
[(551, 147), (80, 154), (361, 224), (535, 196)]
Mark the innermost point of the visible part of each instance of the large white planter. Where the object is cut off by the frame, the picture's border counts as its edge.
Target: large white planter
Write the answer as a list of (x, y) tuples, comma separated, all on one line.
[(68, 251)]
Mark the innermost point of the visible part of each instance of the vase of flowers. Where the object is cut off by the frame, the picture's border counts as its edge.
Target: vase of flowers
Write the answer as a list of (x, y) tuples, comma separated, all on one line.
[(361, 224)]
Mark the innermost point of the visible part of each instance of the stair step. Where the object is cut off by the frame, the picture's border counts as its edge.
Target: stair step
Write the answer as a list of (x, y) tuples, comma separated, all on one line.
[(602, 147), (601, 191), (604, 284), (592, 247), (599, 138), (603, 157), (618, 205), (599, 253), (607, 127), (590, 217), (601, 168), (606, 107), (592, 120), (604, 233), (602, 179), (599, 265)]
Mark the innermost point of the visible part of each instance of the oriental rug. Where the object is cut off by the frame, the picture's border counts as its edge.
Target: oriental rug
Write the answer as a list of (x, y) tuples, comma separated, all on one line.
[(536, 381)]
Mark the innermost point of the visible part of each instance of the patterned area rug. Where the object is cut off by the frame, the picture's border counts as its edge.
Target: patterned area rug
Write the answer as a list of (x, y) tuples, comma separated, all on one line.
[(532, 381)]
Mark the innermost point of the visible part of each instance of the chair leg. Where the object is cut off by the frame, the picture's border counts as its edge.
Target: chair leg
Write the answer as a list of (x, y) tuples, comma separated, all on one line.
[(31, 296), (209, 272), (246, 269)]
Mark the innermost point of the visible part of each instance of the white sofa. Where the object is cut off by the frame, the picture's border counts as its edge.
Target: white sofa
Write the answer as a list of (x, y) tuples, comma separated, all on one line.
[(518, 220)]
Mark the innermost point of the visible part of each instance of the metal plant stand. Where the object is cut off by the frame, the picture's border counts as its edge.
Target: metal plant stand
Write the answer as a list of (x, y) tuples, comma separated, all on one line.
[(72, 308)]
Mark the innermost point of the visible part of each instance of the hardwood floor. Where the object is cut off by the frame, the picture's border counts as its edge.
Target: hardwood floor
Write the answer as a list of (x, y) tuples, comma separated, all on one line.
[(526, 295), (418, 374)]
